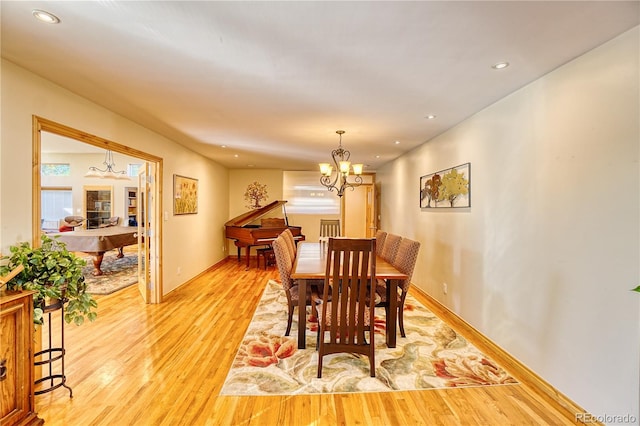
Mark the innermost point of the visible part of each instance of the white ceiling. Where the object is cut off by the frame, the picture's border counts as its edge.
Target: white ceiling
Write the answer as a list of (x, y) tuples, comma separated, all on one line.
[(273, 81)]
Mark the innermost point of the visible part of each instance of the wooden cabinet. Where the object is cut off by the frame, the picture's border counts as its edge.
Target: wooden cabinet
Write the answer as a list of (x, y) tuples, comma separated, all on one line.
[(131, 203), (98, 205), (16, 359)]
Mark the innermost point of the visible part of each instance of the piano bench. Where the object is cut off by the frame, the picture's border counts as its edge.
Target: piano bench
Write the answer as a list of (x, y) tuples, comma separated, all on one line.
[(268, 255)]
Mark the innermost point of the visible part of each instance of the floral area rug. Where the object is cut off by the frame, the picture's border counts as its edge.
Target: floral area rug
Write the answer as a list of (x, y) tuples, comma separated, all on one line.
[(117, 273), (432, 356)]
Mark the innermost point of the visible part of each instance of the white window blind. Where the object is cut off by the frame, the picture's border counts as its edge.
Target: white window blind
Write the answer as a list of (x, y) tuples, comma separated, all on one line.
[(305, 194), (56, 204)]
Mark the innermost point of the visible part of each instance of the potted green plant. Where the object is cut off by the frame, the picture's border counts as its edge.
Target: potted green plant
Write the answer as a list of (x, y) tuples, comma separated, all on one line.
[(54, 274)]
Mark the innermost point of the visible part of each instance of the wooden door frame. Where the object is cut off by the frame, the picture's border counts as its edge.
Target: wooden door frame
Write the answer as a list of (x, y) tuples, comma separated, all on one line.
[(40, 124)]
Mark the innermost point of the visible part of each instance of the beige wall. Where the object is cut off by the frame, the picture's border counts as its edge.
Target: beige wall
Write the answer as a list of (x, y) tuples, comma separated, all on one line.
[(543, 261), (192, 243)]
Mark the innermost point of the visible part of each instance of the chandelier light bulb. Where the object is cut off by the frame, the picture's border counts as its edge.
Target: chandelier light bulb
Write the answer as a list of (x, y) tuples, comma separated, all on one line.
[(325, 168)]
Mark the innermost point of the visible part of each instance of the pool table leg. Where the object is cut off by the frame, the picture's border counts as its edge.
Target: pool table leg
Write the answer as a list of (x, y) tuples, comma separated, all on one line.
[(97, 261)]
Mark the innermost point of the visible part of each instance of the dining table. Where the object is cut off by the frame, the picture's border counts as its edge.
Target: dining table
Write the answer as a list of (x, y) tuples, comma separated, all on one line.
[(310, 264)]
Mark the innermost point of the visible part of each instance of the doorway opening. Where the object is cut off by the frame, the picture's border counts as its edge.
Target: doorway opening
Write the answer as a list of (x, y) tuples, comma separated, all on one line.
[(151, 291)]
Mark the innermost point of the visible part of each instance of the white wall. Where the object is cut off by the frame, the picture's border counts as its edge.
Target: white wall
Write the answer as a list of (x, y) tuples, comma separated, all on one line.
[(192, 243), (543, 261)]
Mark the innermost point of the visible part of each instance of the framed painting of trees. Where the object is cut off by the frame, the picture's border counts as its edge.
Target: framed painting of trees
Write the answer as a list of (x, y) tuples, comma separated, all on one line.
[(449, 188)]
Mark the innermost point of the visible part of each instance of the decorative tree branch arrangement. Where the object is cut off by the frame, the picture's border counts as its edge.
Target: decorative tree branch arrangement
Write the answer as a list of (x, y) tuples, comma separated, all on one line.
[(431, 189), (453, 185), (254, 194)]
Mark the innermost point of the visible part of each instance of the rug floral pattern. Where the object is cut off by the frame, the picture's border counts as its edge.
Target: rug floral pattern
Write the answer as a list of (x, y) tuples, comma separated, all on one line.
[(117, 273), (431, 356)]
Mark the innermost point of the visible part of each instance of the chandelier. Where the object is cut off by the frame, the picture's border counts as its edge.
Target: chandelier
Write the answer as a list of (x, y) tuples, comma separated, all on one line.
[(109, 172), (343, 167)]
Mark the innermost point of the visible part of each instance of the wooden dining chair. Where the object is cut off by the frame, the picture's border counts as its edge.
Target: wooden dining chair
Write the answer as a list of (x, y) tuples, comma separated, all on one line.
[(346, 315), (405, 262), (380, 237), (391, 244), (330, 228), (285, 264)]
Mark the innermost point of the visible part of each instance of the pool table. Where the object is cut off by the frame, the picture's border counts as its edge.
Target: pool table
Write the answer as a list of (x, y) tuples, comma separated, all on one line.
[(98, 241)]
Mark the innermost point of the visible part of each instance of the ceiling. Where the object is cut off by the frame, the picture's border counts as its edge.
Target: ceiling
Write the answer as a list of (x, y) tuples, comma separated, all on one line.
[(266, 84)]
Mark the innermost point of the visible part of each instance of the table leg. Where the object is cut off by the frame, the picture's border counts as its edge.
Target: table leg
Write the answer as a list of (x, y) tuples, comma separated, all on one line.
[(97, 261), (302, 313), (392, 312), (120, 254)]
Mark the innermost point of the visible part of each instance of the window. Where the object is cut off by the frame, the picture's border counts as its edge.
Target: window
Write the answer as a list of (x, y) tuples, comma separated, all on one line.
[(56, 204), (55, 169), (133, 168), (305, 194)]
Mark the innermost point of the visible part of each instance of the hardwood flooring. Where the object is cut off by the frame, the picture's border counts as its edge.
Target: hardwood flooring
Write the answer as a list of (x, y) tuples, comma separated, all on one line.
[(165, 364)]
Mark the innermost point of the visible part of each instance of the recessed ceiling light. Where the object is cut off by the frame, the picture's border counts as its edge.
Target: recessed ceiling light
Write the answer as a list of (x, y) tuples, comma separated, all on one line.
[(500, 65), (46, 17), (397, 142), (223, 146), (377, 156), (236, 155), (430, 117)]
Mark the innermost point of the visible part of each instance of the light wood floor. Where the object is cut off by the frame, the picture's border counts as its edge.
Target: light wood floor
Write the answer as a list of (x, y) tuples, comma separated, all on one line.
[(165, 365)]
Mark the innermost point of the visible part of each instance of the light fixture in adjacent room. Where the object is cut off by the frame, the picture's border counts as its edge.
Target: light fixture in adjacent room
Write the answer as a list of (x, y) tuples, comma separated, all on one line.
[(46, 17), (109, 172), (343, 167)]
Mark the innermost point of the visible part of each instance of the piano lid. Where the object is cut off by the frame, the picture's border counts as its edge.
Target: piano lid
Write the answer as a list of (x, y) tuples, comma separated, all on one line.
[(253, 215)]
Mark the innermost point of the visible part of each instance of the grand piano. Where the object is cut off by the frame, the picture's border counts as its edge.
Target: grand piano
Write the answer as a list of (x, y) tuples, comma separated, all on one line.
[(246, 233)]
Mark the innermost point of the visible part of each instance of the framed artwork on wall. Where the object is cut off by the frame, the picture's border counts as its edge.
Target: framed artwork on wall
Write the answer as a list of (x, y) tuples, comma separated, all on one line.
[(185, 195), (449, 188)]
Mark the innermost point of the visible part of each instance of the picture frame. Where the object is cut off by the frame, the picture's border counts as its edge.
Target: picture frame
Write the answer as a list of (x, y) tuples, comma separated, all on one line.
[(185, 195), (448, 188)]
